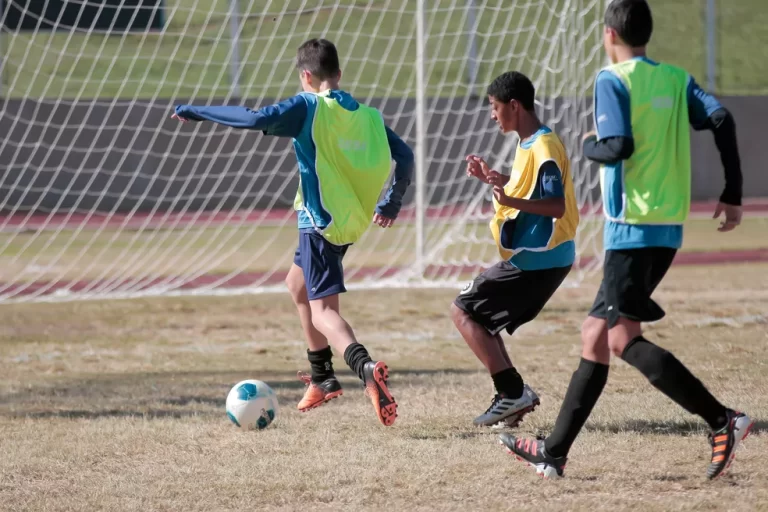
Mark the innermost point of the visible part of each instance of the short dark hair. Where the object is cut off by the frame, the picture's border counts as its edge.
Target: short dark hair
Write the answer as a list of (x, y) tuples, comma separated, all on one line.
[(319, 57), (513, 85), (631, 19)]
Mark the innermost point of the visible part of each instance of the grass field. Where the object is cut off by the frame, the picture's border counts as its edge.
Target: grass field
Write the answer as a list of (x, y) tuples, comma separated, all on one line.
[(190, 58), (119, 405), (95, 254)]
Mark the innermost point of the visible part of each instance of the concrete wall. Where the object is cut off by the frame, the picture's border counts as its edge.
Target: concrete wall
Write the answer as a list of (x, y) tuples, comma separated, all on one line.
[(120, 156)]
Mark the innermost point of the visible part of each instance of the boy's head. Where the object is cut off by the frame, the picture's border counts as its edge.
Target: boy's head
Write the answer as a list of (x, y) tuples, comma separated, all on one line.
[(628, 23), (511, 96), (318, 63)]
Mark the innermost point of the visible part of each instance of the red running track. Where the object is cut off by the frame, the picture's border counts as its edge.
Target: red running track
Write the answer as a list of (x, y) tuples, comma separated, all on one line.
[(252, 278), (64, 221), (143, 220)]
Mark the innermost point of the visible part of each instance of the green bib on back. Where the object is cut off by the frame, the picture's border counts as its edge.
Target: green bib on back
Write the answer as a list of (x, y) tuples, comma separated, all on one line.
[(353, 162), (657, 177)]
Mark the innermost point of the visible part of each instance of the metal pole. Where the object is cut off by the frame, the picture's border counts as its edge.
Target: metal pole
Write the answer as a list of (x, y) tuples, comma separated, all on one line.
[(2, 60), (472, 64), (711, 46), (421, 136), (234, 38)]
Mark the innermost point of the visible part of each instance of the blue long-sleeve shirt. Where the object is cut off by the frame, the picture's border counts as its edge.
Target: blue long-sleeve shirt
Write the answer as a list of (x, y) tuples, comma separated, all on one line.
[(289, 118), (615, 142)]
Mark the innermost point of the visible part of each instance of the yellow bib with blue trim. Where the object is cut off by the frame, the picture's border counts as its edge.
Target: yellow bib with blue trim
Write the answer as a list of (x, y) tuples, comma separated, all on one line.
[(547, 233)]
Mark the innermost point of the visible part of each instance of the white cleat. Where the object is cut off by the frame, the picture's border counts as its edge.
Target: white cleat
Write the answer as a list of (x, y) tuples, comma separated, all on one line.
[(508, 412)]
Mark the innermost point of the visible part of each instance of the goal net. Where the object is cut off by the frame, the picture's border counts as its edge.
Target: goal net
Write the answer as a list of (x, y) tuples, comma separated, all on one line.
[(103, 195)]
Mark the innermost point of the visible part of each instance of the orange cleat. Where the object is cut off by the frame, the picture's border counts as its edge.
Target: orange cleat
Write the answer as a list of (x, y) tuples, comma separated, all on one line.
[(376, 374), (725, 441), (318, 394)]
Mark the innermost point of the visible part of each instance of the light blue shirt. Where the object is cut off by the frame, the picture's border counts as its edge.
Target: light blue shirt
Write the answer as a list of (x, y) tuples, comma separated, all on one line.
[(613, 116)]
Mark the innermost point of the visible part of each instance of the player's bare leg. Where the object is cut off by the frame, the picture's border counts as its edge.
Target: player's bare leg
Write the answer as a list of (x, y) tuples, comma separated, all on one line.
[(327, 321), (487, 348), (513, 398), (503, 349), (374, 374), (322, 385), (298, 290)]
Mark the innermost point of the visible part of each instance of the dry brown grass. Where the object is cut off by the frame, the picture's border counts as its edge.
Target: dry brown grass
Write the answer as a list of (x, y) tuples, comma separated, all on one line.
[(120, 406)]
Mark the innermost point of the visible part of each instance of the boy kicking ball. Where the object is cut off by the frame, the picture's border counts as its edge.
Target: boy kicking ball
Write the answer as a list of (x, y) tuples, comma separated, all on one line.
[(344, 153), (534, 226)]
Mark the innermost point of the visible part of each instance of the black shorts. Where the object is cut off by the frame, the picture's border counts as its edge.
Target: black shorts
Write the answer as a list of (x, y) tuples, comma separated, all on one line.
[(505, 297), (629, 278)]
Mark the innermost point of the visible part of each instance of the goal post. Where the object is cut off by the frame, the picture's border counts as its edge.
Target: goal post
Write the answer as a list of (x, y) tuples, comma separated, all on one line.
[(102, 195)]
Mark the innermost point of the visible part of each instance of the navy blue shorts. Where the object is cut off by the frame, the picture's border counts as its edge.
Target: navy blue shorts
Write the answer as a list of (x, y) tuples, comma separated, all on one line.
[(321, 262)]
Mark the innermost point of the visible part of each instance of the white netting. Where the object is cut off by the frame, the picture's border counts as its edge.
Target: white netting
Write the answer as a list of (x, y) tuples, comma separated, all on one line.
[(101, 194)]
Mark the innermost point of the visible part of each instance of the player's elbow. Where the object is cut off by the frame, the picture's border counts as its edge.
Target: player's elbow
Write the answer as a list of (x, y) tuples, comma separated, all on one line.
[(558, 209), (626, 148), (407, 164)]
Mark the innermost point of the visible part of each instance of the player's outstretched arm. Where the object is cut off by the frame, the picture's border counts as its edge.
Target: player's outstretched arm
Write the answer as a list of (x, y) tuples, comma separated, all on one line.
[(389, 208), (706, 113), (284, 119)]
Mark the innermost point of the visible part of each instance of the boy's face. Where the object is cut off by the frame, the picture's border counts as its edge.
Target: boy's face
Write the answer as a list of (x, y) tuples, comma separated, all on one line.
[(505, 114)]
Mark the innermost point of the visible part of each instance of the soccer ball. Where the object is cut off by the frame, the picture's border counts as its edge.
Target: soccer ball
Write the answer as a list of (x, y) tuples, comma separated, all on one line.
[(251, 405)]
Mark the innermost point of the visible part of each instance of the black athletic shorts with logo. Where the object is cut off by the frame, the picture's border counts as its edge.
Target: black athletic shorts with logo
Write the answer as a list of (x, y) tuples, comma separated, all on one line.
[(505, 297), (629, 278)]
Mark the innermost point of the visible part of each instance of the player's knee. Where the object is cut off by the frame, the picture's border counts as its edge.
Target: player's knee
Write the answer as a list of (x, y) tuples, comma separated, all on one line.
[(625, 331), (617, 346), (458, 315), (296, 288), (592, 332)]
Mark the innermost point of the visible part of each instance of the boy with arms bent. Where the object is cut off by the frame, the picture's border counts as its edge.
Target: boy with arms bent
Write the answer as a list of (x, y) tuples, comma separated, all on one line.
[(534, 224)]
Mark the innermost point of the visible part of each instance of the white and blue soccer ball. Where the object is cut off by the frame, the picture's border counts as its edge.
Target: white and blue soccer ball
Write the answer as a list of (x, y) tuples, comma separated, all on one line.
[(252, 405)]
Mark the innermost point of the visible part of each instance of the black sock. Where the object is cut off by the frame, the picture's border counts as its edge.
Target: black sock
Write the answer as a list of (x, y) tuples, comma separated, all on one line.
[(671, 377), (508, 382), (356, 356), (586, 385), (320, 362)]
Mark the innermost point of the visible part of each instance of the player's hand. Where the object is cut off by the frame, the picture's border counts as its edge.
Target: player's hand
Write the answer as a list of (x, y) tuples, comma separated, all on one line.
[(496, 178), (732, 216), (501, 198), (182, 119), (478, 168), (475, 168), (593, 133), (384, 222)]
